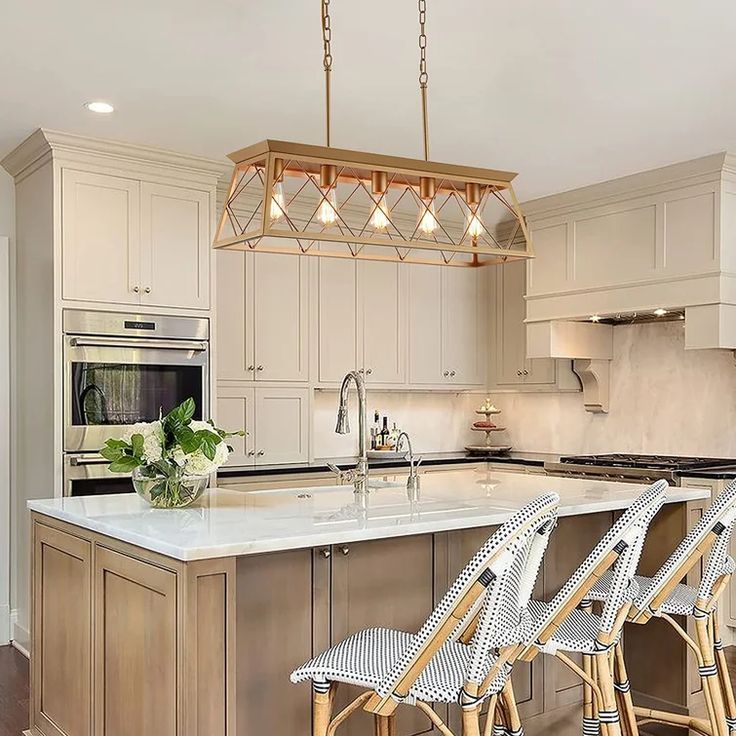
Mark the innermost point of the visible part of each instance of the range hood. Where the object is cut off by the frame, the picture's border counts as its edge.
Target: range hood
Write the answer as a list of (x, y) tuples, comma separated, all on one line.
[(660, 242)]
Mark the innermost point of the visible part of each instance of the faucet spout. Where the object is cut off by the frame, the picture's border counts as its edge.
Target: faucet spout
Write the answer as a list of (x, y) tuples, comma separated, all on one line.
[(343, 424)]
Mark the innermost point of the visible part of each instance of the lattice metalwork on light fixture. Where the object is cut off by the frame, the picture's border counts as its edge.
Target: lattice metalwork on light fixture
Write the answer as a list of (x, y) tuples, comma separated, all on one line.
[(312, 200)]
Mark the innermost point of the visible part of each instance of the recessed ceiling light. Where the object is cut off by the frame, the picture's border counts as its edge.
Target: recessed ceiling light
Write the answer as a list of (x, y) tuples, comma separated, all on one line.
[(98, 106), (660, 312)]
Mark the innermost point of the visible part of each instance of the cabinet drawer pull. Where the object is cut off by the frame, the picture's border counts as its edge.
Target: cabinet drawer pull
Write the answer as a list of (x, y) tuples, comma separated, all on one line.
[(446, 373), (147, 289), (452, 373), (250, 368), (369, 371), (526, 372), (345, 550), (259, 368), (261, 453), (361, 370), (136, 289), (326, 553), (518, 373), (251, 453)]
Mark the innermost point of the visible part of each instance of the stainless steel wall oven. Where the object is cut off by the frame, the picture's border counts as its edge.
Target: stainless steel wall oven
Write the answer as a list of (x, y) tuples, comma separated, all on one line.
[(120, 369)]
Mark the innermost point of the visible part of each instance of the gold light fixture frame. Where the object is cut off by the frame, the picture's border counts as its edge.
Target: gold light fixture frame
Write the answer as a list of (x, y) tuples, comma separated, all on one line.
[(304, 219), (246, 224)]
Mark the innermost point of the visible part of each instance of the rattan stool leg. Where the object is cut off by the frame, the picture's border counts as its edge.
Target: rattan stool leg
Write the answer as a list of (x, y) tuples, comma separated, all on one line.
[(623, 692), (608, 713), (322, 698), (723, 674), (709, 677)]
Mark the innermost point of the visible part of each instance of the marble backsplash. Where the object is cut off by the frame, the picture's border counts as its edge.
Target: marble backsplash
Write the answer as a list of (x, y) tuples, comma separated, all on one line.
[(664, 399)]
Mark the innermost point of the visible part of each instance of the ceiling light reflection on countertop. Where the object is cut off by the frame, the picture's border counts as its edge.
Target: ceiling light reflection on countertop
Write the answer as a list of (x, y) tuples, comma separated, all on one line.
[(98, 106)]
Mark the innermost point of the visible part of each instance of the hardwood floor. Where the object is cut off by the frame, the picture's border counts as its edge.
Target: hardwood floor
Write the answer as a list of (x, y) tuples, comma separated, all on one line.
[(14, 689), (13, 692)]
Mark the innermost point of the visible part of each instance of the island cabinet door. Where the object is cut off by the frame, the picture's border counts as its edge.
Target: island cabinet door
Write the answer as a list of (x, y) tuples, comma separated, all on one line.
[(454, 551), (135, 678), (61, 665), (385, 583)]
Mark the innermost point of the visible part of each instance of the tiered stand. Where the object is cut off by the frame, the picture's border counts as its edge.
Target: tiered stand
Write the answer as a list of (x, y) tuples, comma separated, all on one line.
[(488, 448)]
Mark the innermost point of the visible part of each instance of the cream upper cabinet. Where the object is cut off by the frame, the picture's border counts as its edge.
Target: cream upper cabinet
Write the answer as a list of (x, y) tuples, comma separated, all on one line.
[(463, 325), (262, 317), (175, 247), (126, 241), (101, 255), (510, 368), (280, 317), (382, 321), (337, 319), (447, 325), (235, 410), (425, 325)]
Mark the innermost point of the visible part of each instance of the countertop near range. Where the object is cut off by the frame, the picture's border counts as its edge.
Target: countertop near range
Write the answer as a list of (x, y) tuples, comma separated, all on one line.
[(319, 465), (727, 472), (228, 523)]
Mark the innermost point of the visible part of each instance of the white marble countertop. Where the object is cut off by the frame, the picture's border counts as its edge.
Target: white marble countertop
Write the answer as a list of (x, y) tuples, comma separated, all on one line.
[(228, 523)]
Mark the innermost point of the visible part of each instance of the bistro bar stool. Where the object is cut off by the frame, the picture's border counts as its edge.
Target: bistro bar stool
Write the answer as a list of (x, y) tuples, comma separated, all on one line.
[(462, 653), (561, 626), (666, 595)]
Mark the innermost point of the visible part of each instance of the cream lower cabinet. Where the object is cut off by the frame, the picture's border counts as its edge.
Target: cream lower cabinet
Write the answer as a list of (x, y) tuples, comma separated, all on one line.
[(262, 317), (447, 326), (132, 242), (509, 367), (275, 419)]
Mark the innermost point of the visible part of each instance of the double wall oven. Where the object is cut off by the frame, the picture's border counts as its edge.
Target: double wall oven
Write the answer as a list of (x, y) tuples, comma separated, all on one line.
[(120, 369)]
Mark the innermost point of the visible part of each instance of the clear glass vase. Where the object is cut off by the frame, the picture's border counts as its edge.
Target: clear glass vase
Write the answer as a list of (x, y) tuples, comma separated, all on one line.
[(174, 491)]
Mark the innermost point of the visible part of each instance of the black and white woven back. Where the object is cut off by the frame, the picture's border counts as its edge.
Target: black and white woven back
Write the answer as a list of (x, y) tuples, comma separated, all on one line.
[(490, 566), (718, 519), (626, 539)]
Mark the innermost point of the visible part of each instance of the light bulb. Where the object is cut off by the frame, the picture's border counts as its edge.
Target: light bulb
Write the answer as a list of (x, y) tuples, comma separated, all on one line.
[(380, 216), (278, 202), (427, 221), (327, 212), (475, 226)]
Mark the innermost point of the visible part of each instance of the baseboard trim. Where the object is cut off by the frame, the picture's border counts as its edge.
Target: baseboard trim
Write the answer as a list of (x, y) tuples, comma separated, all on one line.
[(4, 624), (20, 637)]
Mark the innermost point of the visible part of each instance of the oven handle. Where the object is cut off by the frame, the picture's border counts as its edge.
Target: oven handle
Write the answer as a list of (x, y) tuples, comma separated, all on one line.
[(115, 342), (91, 460)]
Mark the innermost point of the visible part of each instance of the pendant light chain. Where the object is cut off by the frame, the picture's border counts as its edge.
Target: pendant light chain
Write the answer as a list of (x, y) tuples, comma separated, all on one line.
[(327, 62), (423, 76)]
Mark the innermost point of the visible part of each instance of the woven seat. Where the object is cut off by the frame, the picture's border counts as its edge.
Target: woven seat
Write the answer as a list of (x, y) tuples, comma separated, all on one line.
[(365, 659)]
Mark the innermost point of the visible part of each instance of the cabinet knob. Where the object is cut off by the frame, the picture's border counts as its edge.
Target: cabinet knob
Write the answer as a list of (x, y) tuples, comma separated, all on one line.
[(446, 373), (261, 453), (369, 371), (518, 373), (136, 289), (147, 289), (526, 372), (345, 550), (361, 370), (250, 368), (259, 368), (452, 373), (326, 553), (251, 453)]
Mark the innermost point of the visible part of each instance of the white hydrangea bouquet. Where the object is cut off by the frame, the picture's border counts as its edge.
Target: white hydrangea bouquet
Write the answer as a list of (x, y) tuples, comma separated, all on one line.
[(172, 458)]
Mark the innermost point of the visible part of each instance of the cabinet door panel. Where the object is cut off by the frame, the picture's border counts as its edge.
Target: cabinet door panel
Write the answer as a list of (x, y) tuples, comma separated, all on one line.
[(282, 431), (382, 321), (100, 223), (336, 318), (387, 583), (135, 643), (62, 633), (236, 410), (425, 324), (175, 246), (274, 636), (461, 329), (510, 314), (234, 322), (281, 318)]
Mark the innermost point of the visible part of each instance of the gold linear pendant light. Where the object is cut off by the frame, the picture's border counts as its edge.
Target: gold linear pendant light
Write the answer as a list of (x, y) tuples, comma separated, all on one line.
[(323, 201)]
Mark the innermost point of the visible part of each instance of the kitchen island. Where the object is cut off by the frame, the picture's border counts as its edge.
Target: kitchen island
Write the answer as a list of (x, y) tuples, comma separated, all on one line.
[(189, 621)]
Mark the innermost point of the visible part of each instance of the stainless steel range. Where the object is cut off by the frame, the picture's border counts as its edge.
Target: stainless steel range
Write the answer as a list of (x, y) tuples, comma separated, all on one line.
[(633, 468), (120, 369)]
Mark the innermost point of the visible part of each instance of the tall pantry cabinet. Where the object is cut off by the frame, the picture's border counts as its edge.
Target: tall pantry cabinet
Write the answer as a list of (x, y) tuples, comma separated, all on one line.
[(100, 225)]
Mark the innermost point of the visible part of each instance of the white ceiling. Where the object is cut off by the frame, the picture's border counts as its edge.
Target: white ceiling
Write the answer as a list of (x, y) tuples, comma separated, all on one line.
[(567, 92)]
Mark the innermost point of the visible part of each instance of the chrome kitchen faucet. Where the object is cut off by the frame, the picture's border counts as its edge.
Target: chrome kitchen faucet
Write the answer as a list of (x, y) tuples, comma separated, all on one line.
[(360, 477)]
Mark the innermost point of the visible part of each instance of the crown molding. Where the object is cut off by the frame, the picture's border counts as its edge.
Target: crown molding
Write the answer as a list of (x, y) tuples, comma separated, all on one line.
[(43, 142)]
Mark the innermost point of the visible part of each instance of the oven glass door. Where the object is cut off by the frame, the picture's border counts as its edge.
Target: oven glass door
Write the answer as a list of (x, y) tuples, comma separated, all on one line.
[(109, 388)]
